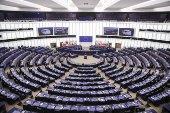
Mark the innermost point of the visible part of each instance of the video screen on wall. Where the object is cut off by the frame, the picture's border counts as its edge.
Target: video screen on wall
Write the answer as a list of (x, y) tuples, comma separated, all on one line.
[(86, 38), (110, 31), (60, 30), (126, 31), (45, 31)]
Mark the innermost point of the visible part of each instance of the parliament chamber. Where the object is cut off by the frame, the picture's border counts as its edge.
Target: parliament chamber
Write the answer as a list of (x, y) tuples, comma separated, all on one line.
[(77, 56)]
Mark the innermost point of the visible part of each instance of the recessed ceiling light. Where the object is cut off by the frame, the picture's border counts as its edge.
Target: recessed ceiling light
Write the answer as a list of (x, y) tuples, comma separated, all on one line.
[(85, 3)]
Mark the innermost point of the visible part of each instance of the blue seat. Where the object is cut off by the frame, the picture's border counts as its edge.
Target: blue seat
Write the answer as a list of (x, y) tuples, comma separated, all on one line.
[(85, 56), (2, 107)]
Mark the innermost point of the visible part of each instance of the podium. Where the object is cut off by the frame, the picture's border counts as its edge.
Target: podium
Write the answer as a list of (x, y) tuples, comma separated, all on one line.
[(85, 56)]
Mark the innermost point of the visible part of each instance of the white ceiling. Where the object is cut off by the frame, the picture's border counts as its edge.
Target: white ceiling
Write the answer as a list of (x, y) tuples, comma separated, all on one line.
[(83, 4), (158, 5), (86, 5), (125, 3), (46, 3)]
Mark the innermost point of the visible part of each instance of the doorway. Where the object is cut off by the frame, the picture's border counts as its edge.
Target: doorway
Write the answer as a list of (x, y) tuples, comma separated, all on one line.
[(53, 45), (110, 44), (118, 45)]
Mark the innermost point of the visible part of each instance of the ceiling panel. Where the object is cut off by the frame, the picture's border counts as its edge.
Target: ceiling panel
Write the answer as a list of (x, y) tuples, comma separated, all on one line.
[(3, 2), (86, 3), (125, 3), (46, 3), (164, 4)]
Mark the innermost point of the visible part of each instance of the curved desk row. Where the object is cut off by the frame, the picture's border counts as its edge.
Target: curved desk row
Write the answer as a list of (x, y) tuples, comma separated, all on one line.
[(70, 62), (39, 106), (87, 52)]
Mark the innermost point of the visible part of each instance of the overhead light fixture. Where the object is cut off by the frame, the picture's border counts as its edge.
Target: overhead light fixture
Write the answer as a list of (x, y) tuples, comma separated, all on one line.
[(144, 4), (61, 2), (67, 4), (162, 8), (5, 7), (72, 6), (29, 4), (85, 3), (98, 8), (103, 5), (110, 3)]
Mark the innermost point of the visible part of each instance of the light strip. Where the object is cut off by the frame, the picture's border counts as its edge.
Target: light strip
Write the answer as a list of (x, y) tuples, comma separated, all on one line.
[(67, 4), (162, 8), (72, 6), (103, 5), (110, 3), (61, 2), (145, 4), (29, 4), (5, 7)]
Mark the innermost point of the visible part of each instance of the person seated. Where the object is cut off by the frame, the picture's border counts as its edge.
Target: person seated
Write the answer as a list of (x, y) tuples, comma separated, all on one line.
[(161, 74), (157, 72), (109, 110)]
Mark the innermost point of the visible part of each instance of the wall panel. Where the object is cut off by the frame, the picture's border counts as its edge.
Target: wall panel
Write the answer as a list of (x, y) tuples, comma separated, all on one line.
[(101, 28), (93, 30), (151, 26), (21, 34), (159, 27), (12, 26), (9, 35), (136, 31), (86, 28), (3, 26), (155, 27), (24, 26), (20, 26), (150, 35), (164, 27), (168, 27), (7, 26), (70, 28), (144, 26), (148, 26)]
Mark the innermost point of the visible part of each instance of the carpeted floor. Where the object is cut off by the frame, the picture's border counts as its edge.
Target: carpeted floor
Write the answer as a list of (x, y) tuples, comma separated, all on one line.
[(91, 59), (81, 59)]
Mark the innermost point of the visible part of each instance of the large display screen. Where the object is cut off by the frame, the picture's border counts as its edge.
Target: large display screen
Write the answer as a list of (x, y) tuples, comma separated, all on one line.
[(126, 31), (45, 31), (85, 38), (60, 30), (110, 31)]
